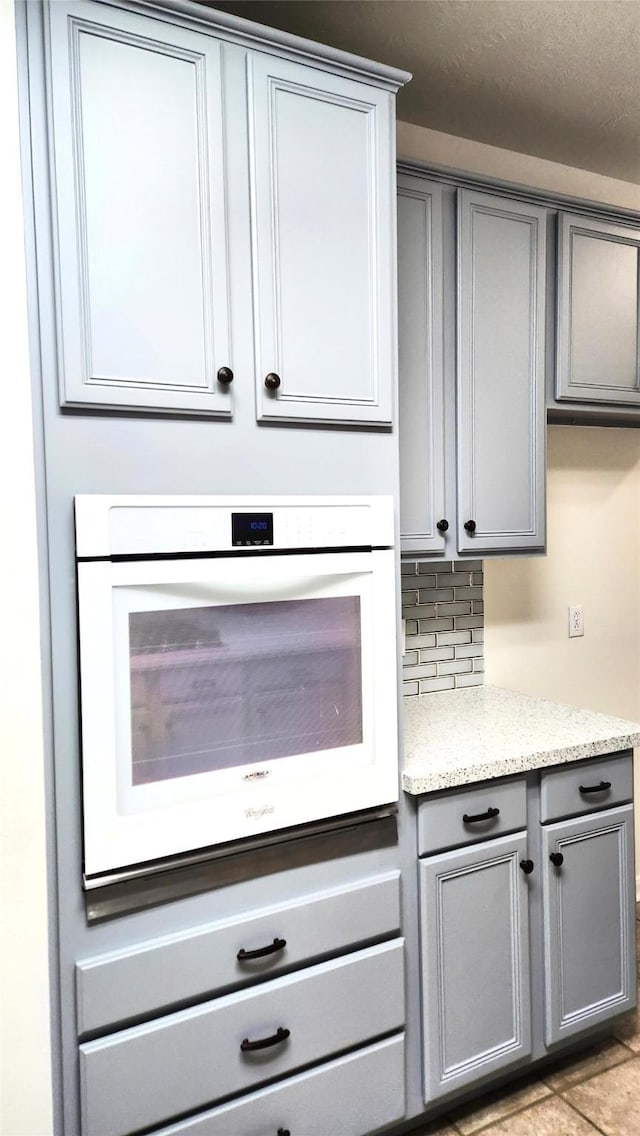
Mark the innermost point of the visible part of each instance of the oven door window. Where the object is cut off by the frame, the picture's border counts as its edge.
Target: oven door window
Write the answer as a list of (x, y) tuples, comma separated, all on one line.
[(219, 686)]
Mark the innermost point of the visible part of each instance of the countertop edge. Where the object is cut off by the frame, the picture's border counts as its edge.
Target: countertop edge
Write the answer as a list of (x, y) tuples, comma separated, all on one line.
[(451, 778)]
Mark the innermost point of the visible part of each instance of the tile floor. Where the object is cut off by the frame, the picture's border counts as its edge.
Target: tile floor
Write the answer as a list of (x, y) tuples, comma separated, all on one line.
[(596, 1091)]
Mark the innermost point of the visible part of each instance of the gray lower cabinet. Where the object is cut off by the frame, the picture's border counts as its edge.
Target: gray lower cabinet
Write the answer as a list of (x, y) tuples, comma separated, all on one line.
[(475, 963), (170, 144), (252, 1024), (597, 359), (589, 921), (471, 302), (477, 926), (359, 1093)]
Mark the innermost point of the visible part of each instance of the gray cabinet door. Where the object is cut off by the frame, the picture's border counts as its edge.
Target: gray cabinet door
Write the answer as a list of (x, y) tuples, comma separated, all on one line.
[(500, 380), (139, 211), (420, 365), (323, 218), (597, 341), (589, 909), (475, 963)]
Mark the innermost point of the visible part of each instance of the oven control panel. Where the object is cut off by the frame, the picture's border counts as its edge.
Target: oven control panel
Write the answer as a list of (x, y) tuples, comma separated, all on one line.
[(148, 525)]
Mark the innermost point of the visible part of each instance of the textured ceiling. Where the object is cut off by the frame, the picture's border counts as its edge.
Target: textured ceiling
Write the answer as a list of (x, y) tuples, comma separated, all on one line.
[(559, 79)]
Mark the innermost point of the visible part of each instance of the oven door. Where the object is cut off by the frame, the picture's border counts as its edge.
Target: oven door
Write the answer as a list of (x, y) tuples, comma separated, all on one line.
[(223, 697)]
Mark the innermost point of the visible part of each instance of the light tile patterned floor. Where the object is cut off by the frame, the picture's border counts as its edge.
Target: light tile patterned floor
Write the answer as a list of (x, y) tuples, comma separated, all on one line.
[(596, 1091)]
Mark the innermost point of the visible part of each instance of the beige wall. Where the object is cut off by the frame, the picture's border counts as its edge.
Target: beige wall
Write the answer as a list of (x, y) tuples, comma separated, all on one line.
[(25, 1057), (593, 559)]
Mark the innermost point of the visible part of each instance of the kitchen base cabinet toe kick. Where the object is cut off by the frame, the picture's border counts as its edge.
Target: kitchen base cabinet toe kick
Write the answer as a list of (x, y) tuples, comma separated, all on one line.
[(508, 923)]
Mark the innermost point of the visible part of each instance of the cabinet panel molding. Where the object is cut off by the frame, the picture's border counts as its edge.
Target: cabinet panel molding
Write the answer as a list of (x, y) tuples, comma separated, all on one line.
[(142, 282), (421, 349), (323, 218), (598, 349), (500, 385), (475, 958), (589, 906)]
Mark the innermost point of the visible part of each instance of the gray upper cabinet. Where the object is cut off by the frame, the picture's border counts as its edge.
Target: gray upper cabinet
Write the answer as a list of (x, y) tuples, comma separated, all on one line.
[(323, 267), (142, 249), (597, 345), (152, 208), (421, 362), (471, 271), (501, 416)]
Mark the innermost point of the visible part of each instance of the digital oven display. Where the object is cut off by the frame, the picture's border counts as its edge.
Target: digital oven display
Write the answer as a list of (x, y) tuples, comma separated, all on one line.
[(249, 529)]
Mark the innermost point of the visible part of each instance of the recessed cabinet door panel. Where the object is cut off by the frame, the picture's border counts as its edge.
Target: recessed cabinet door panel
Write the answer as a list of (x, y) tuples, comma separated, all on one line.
[(420, 365), (475, 963), (598, 266), (140, 211), (501, 416), (589, 904), (323, 217)]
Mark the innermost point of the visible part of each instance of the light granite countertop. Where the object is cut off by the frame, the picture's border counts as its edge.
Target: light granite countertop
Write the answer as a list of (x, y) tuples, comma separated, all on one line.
[(471, 735)]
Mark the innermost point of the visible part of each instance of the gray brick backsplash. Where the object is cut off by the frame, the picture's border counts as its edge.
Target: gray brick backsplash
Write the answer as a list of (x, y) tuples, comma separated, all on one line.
[(459, 666), (444, 631), (466, 651), (431, 685), (436, 654), (450, 638), (435, 595), (461, 680)]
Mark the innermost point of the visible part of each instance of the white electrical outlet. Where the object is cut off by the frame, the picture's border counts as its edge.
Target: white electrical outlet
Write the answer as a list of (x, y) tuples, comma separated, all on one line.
[(576, 621)]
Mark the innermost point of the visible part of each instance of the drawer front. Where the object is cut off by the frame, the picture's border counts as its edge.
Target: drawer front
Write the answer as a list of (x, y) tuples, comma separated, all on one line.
[(583, 788), (124, 985), (150, 1074), (442, 823), (355, 1094)]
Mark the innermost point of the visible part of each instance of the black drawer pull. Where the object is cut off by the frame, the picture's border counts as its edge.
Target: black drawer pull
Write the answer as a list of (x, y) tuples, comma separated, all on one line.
[(283, 1132), (489, 815), (260, 952), (557, 859), (281, 1034), (527, 866), (601, 788)]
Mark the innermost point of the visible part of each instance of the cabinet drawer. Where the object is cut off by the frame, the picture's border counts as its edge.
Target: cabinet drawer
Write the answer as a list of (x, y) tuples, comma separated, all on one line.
[(585, 787), (442, 823), (355, 1094), (137, 982), (153, 1073)]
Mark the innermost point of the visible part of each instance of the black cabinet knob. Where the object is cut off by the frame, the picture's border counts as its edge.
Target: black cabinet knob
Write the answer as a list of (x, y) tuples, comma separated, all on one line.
[(442, 525), (272, 381), (527, 866), (470, 526), (225, 376), (557, 859), (283, 1132)]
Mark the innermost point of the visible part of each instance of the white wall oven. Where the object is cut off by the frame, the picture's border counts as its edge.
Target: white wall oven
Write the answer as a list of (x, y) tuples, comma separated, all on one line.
[(237, 669)]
